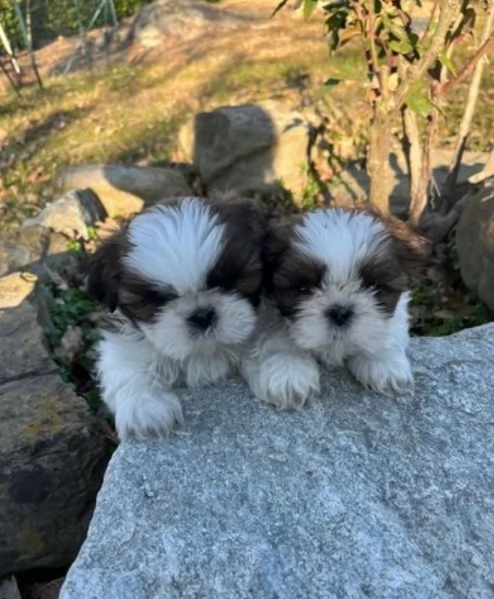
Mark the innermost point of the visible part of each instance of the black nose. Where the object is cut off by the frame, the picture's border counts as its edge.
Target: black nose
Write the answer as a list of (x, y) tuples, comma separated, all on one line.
[(202, 318), (339, 315)]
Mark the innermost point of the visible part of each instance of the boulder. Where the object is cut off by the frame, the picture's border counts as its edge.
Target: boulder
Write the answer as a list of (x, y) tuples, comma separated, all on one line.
[(355, 496), (71, 215), (248, 147), (158, 21), (475, 244), (124, 190), (29, 248), (52, 454)]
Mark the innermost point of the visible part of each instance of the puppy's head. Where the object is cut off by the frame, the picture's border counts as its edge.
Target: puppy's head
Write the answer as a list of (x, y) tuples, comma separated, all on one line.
[(187, 273), (337, 276)]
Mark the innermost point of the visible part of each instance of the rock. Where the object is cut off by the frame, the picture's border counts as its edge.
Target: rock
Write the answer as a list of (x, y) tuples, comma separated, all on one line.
[(356, 182), (248, 147), (475, 244), (52, 454), (158, 21), (71, 215), (357, 495), (29, 248), (21, 347), (9, 589), (124, 190)]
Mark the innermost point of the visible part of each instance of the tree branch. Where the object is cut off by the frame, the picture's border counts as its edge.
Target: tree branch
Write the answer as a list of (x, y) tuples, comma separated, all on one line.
[(413, 152), (429, 22), (470, 66), (447, 11), (371, 34)]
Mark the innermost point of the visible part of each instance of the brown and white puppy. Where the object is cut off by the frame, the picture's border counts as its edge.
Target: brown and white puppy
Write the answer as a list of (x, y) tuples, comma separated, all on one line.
[(337, 293), (182, 281)]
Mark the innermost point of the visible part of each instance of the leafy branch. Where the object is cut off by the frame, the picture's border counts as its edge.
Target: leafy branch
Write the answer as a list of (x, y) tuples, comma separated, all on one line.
[(409, 73)]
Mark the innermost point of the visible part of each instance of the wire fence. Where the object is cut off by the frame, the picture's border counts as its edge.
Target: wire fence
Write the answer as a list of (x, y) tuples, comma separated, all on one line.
[(29, 25), (46, 20)]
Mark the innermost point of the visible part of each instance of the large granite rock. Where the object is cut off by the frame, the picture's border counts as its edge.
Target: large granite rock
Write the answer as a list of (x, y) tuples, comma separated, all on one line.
[(124, 190), (249, 147), (358, 496), (52, 454), (158, 21), (475, 243)]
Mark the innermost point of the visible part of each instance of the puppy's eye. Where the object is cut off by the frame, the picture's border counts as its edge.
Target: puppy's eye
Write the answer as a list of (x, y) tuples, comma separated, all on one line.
[(304, 290)]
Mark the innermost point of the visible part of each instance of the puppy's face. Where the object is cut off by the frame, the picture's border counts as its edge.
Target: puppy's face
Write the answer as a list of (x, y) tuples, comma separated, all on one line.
[(337, 277), (187, 273)]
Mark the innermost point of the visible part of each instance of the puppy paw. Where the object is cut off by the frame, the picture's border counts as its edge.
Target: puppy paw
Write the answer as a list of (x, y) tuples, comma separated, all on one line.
[(285, 381), (147, 416), (204, 370), (390, 375)]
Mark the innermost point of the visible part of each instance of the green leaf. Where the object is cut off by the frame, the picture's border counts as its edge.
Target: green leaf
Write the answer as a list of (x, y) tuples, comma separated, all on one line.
[(401, 47), (399, 32), (445, 60), (335, 23), (332, 82), (309, 7), (418, 101)]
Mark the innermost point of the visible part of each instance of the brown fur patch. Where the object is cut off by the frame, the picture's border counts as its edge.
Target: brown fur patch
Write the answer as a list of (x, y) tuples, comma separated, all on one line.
[(289, 275), (239, 267), (104, 269)]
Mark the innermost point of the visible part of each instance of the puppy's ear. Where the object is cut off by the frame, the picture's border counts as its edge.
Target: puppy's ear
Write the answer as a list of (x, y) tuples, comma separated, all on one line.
[(104, 271), (413, 251), (276, 243), (242, 214)]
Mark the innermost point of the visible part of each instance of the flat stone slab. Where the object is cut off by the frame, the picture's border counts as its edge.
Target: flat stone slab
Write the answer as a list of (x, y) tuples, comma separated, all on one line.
[(52, 451), (356, 496)]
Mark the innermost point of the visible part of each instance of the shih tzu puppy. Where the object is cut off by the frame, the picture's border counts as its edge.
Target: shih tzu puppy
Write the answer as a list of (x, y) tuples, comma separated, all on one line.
[(337, 294), (182, 282)]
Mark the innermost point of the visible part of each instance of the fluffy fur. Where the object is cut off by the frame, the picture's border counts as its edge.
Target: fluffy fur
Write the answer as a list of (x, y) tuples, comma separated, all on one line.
[(337, 284), (182, 282)]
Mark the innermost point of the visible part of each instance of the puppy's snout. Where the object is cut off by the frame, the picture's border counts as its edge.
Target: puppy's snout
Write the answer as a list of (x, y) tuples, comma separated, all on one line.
[(203, 318), (339, 315)]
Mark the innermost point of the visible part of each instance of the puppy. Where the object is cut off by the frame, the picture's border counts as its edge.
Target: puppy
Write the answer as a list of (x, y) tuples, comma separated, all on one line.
[(182, 282), (337, 293)]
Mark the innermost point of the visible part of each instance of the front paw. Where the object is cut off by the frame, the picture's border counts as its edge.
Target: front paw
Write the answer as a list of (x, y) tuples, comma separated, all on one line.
[(387, 375), (285, 381), (147, 415)]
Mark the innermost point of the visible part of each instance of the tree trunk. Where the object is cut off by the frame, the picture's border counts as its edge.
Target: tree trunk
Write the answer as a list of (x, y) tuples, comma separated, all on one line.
[(468, 114), (414, 157), (378, 163)]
